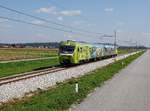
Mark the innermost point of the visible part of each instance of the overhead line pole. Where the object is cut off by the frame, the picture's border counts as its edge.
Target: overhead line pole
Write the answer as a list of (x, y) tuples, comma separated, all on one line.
[(112, 36), (115, 37)]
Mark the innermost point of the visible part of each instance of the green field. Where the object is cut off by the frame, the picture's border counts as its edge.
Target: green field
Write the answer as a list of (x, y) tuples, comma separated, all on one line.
[(63, 96), (11, 68), (25, 53), (125, 51), (7, 69)]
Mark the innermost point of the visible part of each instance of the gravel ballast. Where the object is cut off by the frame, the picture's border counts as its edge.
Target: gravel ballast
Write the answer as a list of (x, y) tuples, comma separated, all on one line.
[(18, 89)]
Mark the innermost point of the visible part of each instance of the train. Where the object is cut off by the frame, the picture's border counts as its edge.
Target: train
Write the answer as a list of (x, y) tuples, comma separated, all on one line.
[(73, 52)]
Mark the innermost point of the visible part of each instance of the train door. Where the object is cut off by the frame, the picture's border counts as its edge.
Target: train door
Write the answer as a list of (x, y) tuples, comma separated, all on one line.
[(87, 53), (102, 53), (78, 54), (105, 51)]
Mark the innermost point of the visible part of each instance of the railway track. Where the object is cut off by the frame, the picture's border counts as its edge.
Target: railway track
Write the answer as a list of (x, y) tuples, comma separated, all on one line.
[(19, 77), (27, 75)]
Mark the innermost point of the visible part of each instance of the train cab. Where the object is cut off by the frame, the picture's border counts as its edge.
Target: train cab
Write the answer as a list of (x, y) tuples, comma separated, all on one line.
[(66, 53)]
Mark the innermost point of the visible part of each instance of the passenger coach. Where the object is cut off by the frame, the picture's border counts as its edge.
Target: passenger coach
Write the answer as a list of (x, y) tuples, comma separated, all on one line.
[(72, 52)]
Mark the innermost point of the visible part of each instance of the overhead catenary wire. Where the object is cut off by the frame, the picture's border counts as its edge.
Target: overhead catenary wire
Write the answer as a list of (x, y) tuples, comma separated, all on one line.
[(40, 25), (49, 21), (30, 23)]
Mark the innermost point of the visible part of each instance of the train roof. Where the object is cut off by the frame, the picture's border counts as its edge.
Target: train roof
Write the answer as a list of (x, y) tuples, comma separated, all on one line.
[(71, 42), (109, 44)]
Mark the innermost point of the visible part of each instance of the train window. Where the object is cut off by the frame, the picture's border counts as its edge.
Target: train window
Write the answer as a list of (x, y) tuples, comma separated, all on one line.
[(78, 49), (67, 49)]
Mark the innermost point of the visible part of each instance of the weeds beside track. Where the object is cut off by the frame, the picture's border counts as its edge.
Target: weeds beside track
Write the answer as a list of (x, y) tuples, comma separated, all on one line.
[(14, 68)]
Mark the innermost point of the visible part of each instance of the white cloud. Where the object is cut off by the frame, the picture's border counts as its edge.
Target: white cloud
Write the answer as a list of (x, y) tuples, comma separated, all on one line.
[(60, 18), (38, 22), (71, 13), (109, 9), (53, 10), (48, 10)]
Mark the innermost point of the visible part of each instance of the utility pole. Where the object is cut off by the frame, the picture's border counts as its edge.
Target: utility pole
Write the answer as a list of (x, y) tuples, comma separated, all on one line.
[(136, 45), (115, 37), (112, 36)]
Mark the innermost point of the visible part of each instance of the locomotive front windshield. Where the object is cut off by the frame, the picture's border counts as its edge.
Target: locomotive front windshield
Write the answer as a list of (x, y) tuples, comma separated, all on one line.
[(67, 49)]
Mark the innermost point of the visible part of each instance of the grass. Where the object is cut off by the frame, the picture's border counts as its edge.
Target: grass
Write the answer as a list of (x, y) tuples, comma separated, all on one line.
[(25, 53), (12, 68), (63, 96), (125, 51)]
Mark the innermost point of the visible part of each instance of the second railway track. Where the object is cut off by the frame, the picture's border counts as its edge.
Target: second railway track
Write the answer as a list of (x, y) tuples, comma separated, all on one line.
[(18, 77)]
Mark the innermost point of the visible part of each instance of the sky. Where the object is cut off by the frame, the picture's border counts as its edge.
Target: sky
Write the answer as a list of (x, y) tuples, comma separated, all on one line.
[(130, 18)]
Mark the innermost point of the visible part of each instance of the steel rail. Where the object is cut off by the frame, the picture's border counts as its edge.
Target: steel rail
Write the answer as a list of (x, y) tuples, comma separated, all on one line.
[(28, 75)]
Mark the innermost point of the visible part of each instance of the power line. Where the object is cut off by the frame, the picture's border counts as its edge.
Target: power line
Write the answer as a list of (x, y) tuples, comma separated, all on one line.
[(49, 21), (39, 25), (29, 23)]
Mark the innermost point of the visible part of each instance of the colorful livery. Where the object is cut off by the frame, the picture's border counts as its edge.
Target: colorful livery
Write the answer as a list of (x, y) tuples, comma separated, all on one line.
[(72, 52)]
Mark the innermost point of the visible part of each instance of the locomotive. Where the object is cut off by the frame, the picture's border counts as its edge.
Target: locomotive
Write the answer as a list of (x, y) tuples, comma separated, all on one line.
[(73, 52)]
